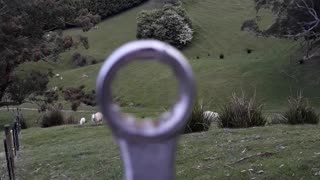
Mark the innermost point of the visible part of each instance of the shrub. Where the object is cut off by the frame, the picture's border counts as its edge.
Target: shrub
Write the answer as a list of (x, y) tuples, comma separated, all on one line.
[(23, 123), (70, 120), (84, 41), (78, 60), (169, 24), (197, 121), (94, 61), (300, 111), (241, 112), (52, 118), (107, 8)]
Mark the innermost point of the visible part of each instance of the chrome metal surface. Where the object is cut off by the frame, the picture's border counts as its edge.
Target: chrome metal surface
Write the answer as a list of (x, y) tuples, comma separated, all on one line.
[(147, 147)]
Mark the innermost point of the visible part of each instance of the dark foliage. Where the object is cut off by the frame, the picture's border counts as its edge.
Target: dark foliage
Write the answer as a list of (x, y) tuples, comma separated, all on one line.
[(294, 19), (84, 41), (106, 8), (23, 124), (94, 61), (78, 60), (76, 96), (52, 118), (25, 36)]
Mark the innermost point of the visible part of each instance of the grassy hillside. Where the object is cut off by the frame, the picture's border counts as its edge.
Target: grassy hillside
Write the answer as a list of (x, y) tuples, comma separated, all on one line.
[(89, 152), (269, 70), (145, 89)]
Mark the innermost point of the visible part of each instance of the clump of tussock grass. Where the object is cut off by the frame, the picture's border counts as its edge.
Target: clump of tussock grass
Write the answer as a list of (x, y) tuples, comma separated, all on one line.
[(300, 111), (241, 112), (53, 117), (197, 121)]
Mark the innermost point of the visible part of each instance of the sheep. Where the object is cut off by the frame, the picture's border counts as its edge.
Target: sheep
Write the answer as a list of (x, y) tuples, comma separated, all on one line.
[(211, 115), (61, 78), (82, 121), (57, 75), (85, 76), (97, 117)]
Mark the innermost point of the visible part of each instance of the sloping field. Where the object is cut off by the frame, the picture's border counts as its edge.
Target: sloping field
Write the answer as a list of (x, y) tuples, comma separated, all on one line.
[(145, 89), (271, 70)]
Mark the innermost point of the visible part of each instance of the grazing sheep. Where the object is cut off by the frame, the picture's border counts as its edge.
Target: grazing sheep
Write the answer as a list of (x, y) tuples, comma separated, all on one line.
[(61, 78), (82, 121), (85, 76), (97, 117), (211, 115), (57, 75)]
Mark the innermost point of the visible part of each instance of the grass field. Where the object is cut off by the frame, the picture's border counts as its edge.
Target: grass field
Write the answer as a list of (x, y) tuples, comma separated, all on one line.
[(268, 70), (275, 152), (89, 152), (271, 70)]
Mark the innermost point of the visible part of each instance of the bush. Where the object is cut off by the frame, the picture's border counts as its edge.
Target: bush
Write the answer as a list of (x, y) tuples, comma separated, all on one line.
[(197, 121), (300, 111), (23, 123), (70, 120), (169, 24), (241, 112), (107, 8), (78, 60), (52, 118)]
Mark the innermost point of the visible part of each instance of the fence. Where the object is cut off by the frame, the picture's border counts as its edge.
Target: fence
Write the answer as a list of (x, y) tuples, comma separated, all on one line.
[(12, 145)]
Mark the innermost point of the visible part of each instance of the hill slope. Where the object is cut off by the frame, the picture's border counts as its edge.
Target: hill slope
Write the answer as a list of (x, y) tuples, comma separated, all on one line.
[(270, 70)]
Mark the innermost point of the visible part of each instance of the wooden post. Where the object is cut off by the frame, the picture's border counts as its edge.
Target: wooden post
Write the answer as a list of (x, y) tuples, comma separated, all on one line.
[(7, 158), (18, 120), (12, 142), (16, 129), (9, 143)]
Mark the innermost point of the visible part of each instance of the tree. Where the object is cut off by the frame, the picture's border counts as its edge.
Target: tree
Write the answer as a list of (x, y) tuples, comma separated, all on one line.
[(24, 38), (294, 19), (169, 24)]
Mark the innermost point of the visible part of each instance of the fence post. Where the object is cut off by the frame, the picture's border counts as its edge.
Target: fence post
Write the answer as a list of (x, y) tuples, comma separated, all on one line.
[(7, 158), (16, 126), (18, 120), (12, 142), (14, 135), (9, 143)]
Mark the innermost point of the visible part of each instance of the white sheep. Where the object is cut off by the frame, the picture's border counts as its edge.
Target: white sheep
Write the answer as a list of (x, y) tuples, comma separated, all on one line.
[(82, 121), (85, 76), (211, 115), (97, 117), (57, 75)]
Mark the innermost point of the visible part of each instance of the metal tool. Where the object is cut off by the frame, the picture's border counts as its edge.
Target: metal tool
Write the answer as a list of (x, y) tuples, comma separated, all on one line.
[(147, 147)]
